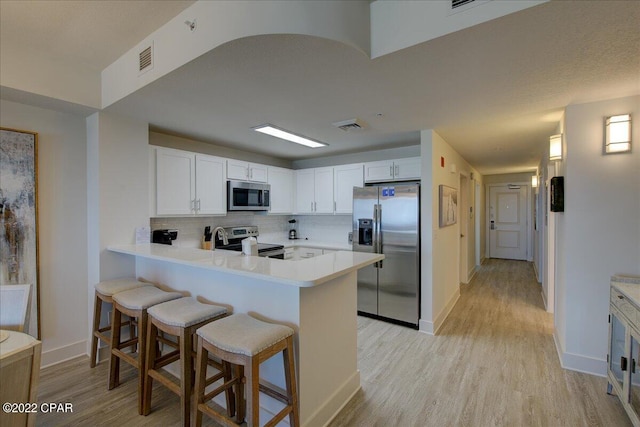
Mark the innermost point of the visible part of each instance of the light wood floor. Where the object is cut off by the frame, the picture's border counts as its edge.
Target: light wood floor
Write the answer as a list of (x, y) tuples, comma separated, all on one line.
[(493, 364)]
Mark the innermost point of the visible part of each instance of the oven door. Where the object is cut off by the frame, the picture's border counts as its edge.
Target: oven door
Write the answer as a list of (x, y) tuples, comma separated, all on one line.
[(247, 196)]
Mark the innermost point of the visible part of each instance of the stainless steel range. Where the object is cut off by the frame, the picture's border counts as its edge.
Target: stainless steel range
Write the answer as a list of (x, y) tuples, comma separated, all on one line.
[(235, 235)]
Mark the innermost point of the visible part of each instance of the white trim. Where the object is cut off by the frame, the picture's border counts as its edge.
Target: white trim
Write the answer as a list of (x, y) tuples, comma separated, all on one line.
[(432, 328), (64, 353), (336, 402), (578, 362)]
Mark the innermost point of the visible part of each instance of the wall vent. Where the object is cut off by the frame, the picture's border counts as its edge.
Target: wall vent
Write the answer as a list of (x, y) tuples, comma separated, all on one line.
[(458, 3), (349, 125), (462, 5), (145, 59)]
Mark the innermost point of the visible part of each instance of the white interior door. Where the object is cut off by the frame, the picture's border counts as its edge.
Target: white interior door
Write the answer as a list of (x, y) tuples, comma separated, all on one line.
[(508, 222)]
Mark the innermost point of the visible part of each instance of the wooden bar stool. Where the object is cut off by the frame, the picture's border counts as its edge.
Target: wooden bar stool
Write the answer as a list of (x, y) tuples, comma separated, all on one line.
[(180, 318), (245, 342), (104, 293), (133, 303)]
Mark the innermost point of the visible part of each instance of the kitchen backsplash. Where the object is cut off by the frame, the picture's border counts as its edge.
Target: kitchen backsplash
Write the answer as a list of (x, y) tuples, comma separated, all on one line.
[(273, 228)]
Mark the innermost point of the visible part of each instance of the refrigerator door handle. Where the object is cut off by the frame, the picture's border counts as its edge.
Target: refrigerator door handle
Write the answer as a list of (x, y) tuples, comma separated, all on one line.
[(375, 232), (379, 234)]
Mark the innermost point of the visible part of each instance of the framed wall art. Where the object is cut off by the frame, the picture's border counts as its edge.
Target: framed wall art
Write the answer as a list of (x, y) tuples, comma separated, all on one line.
[(448, 206), (19, 217)]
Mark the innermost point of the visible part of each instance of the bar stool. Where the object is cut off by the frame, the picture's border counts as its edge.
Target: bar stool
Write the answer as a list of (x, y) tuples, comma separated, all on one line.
[(104, 292), (245, 342), (180, 318), (133, 303)]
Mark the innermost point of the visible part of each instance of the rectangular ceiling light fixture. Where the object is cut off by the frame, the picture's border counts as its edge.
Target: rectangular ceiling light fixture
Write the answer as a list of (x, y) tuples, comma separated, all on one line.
[(286, 135), (617, 134)]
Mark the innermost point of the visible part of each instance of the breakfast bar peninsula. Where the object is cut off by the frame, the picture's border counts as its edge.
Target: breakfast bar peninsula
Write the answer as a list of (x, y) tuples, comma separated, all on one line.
[(317, 297)]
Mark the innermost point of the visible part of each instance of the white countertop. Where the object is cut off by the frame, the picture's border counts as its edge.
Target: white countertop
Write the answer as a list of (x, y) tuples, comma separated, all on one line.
[(302, 273), (628, 286)]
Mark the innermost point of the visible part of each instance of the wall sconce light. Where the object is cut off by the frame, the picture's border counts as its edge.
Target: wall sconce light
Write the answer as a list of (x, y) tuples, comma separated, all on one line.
[(555, 147), (534, 181), (617, 131)]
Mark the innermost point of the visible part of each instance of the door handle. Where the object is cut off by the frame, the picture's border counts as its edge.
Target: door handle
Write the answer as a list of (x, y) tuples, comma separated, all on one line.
[(623, 363)]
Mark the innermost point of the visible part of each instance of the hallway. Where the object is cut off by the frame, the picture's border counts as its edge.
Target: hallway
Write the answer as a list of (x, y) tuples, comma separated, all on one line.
[(493, 363)]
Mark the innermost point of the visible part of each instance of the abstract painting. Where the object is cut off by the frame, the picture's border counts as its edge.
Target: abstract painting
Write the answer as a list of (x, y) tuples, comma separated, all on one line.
[(19, 216), (448, 206)]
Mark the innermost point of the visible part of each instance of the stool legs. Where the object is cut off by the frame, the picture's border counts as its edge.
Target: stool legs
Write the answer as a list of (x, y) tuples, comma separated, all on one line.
[(117, 346), (246, 375), (97, 312)]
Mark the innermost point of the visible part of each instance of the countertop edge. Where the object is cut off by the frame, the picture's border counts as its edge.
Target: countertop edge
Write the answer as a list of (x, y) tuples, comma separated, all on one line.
[(130, 250)]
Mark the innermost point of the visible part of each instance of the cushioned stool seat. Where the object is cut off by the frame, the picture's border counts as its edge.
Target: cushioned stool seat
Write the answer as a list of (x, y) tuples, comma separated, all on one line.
[(133, 303), (246, 342), (180, 318), (104, 291)]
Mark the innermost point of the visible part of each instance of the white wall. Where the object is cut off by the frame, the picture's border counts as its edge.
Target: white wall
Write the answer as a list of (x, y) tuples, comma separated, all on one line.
[(368, 156), (118, 191), (598, 235), (62, 225), (440, 246)]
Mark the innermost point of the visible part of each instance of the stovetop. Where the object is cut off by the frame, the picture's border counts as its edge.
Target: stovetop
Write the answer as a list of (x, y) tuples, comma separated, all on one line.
[(237, 234)]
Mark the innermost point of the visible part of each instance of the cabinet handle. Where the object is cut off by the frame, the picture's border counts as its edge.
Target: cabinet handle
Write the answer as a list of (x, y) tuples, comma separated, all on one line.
[(633, 366), (250, 173), (620, 297), (315, 206), (334, 206), (198, 206), (391, 171), (397, 170), (623, 363), (193, 205)]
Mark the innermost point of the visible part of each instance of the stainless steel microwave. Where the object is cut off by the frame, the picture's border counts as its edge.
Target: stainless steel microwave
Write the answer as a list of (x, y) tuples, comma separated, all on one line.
[(248, 196)]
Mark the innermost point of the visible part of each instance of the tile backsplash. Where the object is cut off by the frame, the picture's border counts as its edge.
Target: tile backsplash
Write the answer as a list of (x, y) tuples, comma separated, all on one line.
[(273, 228)]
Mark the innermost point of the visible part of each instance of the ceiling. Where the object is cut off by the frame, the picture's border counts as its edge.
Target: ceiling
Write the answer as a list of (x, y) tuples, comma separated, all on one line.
[(495, 91)]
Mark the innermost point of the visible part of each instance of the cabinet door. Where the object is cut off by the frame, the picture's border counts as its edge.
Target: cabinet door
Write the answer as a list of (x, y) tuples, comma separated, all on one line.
[(257, 173), (345, 178), (211, 189), (281, 181), (175, 182), (378, 171), (407, 168), (323, 189), (634, 364), (305, 191), (618, 362), (237, 170)]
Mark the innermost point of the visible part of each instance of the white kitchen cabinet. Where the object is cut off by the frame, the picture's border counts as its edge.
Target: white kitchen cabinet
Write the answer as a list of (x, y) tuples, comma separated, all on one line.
[(392, 170), (281, 181), (346, 177), (187, 183), (244, 171), (314, 191), (623, 358)]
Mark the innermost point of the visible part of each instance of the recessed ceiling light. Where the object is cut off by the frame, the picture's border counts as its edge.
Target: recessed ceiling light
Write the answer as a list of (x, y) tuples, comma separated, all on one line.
[(286, 135)]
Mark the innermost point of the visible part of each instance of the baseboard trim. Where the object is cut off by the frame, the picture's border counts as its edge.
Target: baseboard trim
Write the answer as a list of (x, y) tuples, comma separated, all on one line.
[(544, 301), (432, 328), (472, 273), (578, 362), (334, 404), (535, 269), (64, 353)]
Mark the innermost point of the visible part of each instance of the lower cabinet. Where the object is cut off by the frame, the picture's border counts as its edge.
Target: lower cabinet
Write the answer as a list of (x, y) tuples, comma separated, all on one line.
[(623, 360)]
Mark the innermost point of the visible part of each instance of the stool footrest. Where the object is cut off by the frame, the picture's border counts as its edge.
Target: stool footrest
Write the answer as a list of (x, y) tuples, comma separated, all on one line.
[(220, 389), (279, 416), (127, 357), (167, 359), (276, 394), (165, 381)]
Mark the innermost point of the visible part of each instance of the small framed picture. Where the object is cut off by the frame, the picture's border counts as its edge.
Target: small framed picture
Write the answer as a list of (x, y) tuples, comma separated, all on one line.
[(448, 206)]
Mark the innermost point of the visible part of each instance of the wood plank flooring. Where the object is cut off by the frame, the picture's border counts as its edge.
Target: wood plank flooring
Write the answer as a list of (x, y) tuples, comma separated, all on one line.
[(493, 364)]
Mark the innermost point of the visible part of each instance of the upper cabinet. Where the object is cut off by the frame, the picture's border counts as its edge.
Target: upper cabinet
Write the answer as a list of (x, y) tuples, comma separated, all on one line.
[(244, 171), (281, 181), (314, 191), (346, 177), (392, 170), (188, 183)]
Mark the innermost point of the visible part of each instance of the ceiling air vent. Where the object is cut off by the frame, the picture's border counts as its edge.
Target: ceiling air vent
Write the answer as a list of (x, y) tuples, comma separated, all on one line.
[(145, 59), (349, 125), (458, 3)]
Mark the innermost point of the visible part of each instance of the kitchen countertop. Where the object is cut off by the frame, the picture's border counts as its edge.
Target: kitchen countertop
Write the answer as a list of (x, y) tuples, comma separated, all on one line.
[(301, 273), (628, 286)]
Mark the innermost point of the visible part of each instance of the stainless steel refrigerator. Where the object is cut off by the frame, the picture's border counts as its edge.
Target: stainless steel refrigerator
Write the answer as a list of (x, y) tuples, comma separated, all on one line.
[(386, 219)]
